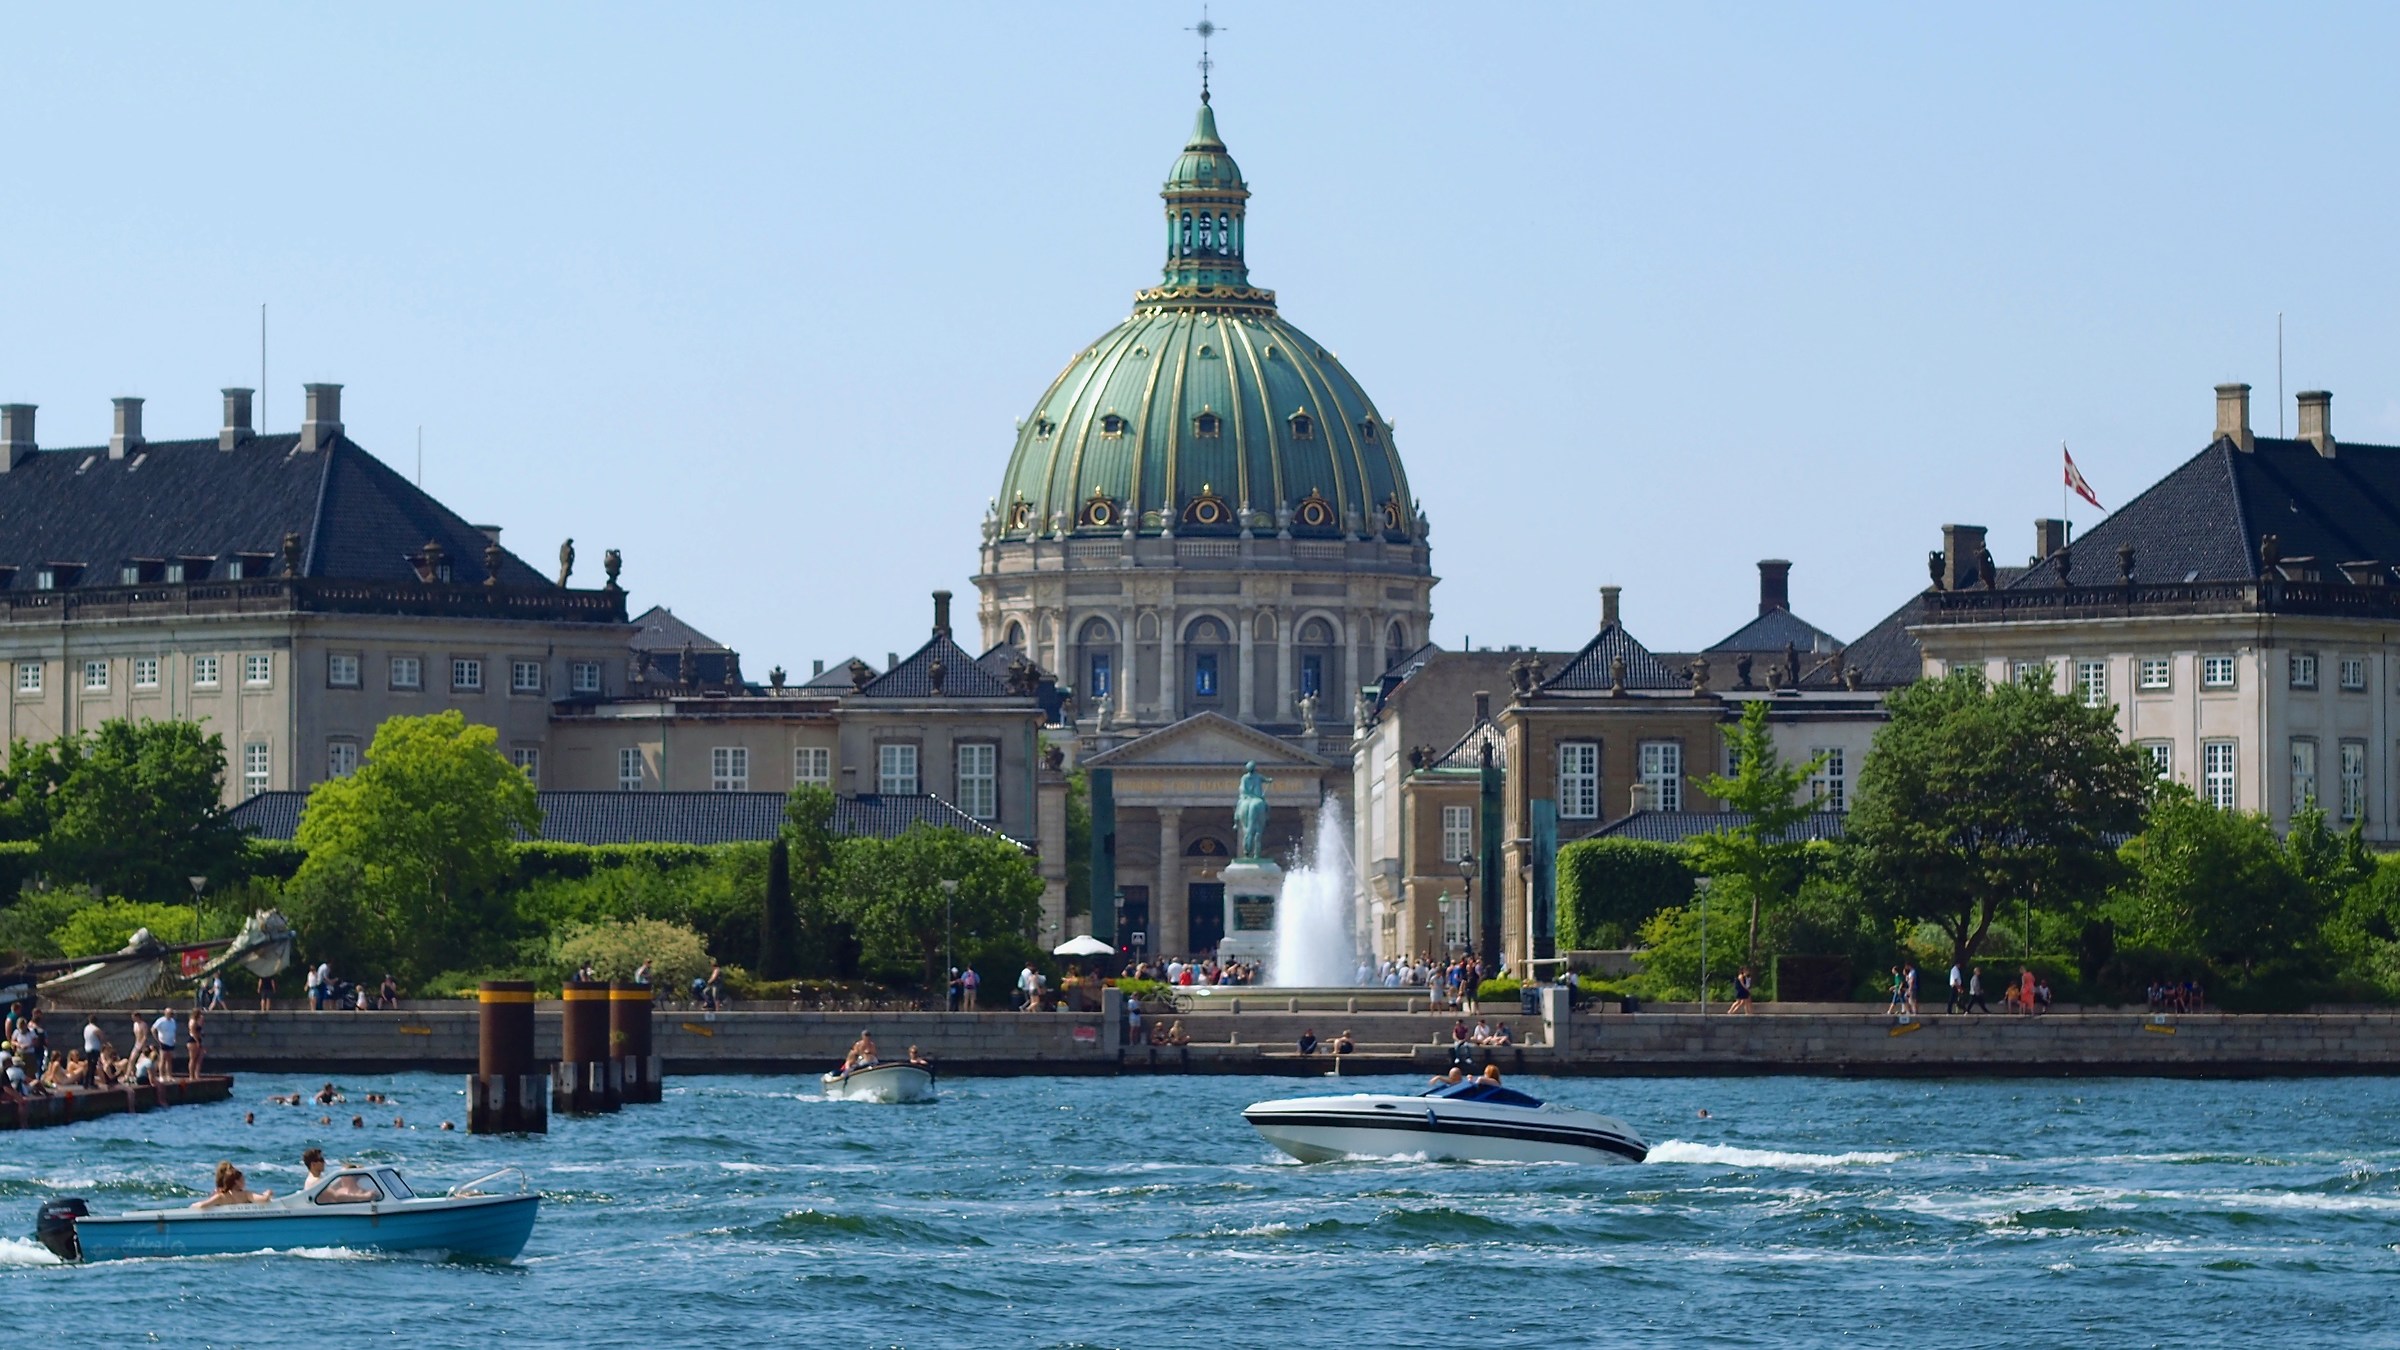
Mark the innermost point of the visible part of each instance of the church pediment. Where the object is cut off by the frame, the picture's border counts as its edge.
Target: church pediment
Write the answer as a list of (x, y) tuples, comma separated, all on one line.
[(1206, 740)]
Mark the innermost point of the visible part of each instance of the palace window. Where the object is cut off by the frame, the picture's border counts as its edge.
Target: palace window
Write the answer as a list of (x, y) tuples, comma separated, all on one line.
[(29, 677), (1579, 780), (2354, 779), (2304, 670), (2091, 680), (629, 770), (1312, 675), (145, 672), (255, 768), (896, 770), (408, 672), (341, 759), (1458, 832), (979, 779), (2157, 673), (1103, 671), (204, 672), (2161, 755), (2304, 772), (95, 677), (586, 677), (466, 674), (2216, 773), (812, 766), (1829, 786), (2354, 674), (2028, 672), (729, 769), (528, 760), (2216, 672), (1204, 675), (258, 669), (175, 572), (1662, 774), (341, 670), (524, 677)]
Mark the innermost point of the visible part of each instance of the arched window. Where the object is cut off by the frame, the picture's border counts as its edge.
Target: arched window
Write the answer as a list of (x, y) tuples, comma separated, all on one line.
[(1208, 233), (1016, 635), (1205, 632), (1099, 663), (1225, 234), (1316, 633), (1186, 245), (1395, 646), (1304, 427)]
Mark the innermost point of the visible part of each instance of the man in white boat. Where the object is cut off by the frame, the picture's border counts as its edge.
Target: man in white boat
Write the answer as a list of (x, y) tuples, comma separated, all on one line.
[(862, 1052)]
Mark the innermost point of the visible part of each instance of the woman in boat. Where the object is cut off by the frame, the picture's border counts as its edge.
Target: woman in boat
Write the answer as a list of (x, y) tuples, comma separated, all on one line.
[(231, 1191)]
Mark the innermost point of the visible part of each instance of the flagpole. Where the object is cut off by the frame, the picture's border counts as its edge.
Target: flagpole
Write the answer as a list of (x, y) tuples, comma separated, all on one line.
[(2068, 534)]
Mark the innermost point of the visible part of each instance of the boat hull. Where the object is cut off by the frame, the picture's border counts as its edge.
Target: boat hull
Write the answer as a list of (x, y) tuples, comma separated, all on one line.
[(493, 1228), (1321, 1129), (881, 1083)]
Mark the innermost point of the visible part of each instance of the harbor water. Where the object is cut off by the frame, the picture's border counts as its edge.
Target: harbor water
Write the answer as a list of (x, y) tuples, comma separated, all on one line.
[(1144, 1212)]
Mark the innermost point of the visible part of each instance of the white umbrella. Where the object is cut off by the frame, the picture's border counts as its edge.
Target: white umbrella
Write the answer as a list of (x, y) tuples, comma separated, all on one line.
[(1083, 945)]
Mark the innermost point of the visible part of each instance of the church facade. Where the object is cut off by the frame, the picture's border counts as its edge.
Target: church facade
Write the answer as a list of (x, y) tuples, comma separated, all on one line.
[(1205, 532)]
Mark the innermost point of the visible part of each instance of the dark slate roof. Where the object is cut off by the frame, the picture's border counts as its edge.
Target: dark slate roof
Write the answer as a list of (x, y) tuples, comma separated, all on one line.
[(2202, 521), (836, 676), (666, 817), (1589, 668), (1673, 827), (1773, 631), (357, 519), (1467, 752), (1887, 656), (661, 637), (962, 676)]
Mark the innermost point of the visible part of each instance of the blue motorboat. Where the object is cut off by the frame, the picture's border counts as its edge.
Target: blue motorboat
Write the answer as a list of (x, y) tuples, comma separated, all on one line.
[(354, 1208)]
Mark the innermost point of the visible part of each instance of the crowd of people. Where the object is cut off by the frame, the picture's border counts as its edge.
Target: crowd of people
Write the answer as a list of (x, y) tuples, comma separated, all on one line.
[(2172, 996), (1179, 970), (31, 1067), (1448, 983)]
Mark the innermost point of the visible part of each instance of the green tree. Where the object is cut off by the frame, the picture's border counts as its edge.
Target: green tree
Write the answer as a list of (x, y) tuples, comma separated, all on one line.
[(1609, 888), (1672, 942), (420, 836), (1977, 798), (824, 942), (140, 810), (616, 948), (107, 926), (1079, 843), (29, 785), (1765, 852), (776, 917), (891, 893), (2219, 884)]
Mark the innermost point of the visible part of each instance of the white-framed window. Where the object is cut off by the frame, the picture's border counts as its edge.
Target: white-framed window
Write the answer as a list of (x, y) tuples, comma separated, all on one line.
[(2216, 773), (979, 779), (341, 759), (896, 769), (1458, 832), (2354, 674), (258, 669), (2304, 670), (2157, 673), (2304, 771), (1662, 774), (2091, 681), (1579, 780), (1829, 786), (524, 677), (2354, 779), (408, 672), (95, 677), (812, 766), (204, 672), (629, 769), (466, 673), (2216, 672), (585, 677), (341, 670), (528, 760), (729, 769), (2162, 758), (255, 768), (145, 672), (2029, 672), (29, 677)]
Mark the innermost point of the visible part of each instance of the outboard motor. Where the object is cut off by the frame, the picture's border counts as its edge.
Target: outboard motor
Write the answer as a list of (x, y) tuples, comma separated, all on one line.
[(54, 1226)]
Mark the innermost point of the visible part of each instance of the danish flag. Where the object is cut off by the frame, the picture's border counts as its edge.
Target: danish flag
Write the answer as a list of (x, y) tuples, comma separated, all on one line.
[(2075, 479)]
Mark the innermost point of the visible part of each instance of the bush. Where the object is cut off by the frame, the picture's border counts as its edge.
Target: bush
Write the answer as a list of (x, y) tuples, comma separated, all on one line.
[(107, 926), (26, 926), (19, 863), (1609, 888), (1157, 992), (1502, 989), (272, 859), (616, 949), (461, 983), (541, 860), (1671, 968)]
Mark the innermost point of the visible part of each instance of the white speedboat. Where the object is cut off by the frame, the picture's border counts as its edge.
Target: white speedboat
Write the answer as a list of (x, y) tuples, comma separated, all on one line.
[(361, 1208), (1470, 1121), (885, 1080)]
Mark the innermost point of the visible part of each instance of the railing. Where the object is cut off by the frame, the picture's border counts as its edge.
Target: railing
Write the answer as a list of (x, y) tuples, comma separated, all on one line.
[(2270, 596), (279, 595)]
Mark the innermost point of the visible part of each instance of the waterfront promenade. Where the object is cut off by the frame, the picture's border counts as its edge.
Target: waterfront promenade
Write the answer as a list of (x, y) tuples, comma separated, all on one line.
[(73, 1104), (1827, 1039)]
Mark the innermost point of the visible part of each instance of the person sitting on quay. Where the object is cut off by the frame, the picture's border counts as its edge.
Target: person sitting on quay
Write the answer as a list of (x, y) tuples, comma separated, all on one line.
[(1176, 1035), (1502, 1036), (231, 1190), (1308, 1041), (1343, 1045)]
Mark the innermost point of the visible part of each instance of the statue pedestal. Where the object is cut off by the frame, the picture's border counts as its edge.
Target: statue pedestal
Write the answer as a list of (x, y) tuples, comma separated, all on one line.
[(1253, 893)]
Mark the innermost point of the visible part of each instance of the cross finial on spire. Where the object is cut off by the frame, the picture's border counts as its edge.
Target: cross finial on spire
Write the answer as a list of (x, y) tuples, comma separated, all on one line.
[(1206, 30)]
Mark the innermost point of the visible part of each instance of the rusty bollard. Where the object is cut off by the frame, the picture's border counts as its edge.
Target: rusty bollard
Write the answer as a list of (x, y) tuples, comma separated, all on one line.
[(504, 1095), (629, 1042)]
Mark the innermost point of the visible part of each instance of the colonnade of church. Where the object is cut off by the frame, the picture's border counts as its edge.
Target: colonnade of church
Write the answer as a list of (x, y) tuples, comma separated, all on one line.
[(1161, 665), (1193, 843)]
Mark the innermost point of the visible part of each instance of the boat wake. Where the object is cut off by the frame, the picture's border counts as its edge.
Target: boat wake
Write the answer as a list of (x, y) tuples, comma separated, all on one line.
[(1726, 1155), (25, 1252)]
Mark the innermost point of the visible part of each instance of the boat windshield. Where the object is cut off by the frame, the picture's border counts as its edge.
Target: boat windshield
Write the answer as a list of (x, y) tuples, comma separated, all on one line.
[(350, 1188), (392, 1182), (1475, 1091)]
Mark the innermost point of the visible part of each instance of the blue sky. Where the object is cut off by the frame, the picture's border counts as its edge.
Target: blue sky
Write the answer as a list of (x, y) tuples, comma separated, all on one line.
[(757, 293)]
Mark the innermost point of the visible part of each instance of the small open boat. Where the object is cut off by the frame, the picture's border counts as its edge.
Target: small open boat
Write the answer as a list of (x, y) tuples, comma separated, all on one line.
[(358, 1208), (884, 1080)]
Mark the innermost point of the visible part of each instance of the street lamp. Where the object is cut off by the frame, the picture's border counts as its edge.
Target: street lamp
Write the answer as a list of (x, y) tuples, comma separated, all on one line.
[(199, 884), (1466, 877), (949, 897)]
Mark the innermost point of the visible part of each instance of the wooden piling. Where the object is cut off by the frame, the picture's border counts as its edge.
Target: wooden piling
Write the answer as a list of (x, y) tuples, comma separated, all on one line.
[(586, 1078), (504, 1094), (629, 1042)]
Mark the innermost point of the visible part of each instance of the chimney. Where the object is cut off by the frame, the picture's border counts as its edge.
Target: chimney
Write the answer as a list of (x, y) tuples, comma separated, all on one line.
[(126, 439), (817, 668), (1774, 585), (237, 428), (2233, 415), (941, 613), (490, 532), (1483, 705), (1608, 606), (16, 433), (891, 661), (2049, 536), (1962, 556), (2316, 420), (323, 424)]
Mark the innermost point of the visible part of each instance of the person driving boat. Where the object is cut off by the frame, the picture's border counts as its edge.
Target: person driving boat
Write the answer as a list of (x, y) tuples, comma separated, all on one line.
[(862, 1052)]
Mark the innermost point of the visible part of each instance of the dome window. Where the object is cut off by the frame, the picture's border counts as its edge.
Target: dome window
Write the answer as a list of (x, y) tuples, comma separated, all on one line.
[(1207, 509), (1391, 516), (1208, 233), (1367, 431), (1042, 427), (1207, 425), (1099, 512), (1314, 512), (1207, 353), (1304, 427), (1019, 515), (1186, 245), (1112, 425)]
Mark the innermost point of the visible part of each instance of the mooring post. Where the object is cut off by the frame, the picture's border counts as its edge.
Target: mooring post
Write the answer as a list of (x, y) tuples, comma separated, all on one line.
[(504, 1095), (629, 1042), (583, 1083)]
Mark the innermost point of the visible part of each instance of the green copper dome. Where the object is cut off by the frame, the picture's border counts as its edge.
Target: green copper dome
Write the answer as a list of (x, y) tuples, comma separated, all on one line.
[(1205, 412)]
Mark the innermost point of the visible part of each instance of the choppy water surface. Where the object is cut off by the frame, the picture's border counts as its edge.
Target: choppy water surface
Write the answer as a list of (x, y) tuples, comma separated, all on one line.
[(1143, 1212)]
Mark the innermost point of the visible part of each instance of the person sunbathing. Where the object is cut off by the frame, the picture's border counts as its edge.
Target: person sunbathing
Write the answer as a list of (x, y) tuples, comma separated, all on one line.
[(232, 1191)]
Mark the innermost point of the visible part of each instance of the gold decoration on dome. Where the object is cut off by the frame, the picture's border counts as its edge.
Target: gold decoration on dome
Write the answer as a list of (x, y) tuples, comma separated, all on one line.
[(1100, 512), (1314, 512), (1207, 509), (1020, 514)]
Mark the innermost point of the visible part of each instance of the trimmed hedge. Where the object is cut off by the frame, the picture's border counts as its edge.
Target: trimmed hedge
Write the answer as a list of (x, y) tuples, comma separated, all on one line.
[(1608, 888), (541, 860), (272, 859)]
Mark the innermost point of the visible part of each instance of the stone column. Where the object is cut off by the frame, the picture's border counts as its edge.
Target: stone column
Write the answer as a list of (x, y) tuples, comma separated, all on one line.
[(1125, 665), (1339, 700), (1170, 905), (1247, 671), (1284, 627), (1170, 668)]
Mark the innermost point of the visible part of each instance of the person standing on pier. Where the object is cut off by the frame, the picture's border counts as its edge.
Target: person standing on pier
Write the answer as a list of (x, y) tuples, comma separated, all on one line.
[(969, 983), (93, 1039), (193, 1049), (167, 1032)]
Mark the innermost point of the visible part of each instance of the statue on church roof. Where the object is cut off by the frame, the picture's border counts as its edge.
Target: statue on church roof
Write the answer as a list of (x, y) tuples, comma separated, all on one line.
[(566, 561)]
